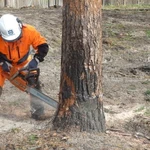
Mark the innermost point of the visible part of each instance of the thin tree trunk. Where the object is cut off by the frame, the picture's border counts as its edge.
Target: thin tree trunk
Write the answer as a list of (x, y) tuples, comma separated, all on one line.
[(5, 3), (80, 94)]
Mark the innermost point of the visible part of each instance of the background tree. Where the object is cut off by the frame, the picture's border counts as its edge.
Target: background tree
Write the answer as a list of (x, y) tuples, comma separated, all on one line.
[(106, 2), (5, 3), (80, 97)]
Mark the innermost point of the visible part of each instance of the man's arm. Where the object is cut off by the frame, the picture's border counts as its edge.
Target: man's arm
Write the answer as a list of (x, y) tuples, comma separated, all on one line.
[(41, 52)]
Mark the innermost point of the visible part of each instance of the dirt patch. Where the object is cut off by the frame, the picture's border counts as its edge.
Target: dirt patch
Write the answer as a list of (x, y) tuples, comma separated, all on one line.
[(126, 85)]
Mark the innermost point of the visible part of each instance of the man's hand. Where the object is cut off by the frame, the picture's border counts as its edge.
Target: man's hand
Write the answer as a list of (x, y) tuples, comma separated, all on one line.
[(33, 63), (6, 66)]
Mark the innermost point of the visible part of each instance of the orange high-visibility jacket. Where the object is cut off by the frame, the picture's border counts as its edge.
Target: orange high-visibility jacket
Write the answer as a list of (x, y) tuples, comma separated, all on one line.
[(15, 51)]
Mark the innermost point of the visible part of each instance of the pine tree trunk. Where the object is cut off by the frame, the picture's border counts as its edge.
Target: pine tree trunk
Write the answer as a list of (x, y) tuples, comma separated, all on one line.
[(80, 96)]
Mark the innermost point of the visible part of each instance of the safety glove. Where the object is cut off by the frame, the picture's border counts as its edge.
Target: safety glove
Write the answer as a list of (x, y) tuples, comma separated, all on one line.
[(33, 63), (6, 66)]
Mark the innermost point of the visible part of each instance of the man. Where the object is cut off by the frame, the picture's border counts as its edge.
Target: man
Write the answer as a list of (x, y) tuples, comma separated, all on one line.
[(15, 42)]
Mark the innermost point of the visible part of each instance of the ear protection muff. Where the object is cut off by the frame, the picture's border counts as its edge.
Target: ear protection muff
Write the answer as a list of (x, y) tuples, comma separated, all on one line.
[(19, 22)]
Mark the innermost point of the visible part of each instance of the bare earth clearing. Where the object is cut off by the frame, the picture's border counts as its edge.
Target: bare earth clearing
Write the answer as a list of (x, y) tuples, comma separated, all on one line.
[(126, 87)]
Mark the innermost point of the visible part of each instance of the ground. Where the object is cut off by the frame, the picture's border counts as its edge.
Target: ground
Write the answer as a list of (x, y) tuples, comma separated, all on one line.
[(126, 87)]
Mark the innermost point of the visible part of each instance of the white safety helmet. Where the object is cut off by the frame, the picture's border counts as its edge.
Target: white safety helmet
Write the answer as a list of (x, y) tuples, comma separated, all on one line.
[(10, 27)]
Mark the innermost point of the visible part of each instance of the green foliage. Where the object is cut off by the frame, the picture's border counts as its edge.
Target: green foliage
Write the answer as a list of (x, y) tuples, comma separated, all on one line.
[(121, 26), (147, 93), (147, 112), (140, 109), (146, 82), (147, 98), (14, 103), (146, 6), (128, 37), (147, 33), (15, 130), (132, 87), (32, 138), (144, 109)]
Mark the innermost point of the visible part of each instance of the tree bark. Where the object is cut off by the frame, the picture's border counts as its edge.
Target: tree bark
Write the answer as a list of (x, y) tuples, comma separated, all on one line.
[(80, 96)]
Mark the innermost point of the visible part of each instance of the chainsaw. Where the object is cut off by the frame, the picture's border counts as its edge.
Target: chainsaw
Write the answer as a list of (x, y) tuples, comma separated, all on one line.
[(20, 79)]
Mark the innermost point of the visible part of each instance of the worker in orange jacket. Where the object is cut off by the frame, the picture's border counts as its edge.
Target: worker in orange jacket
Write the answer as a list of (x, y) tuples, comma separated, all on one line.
[(16, 40)]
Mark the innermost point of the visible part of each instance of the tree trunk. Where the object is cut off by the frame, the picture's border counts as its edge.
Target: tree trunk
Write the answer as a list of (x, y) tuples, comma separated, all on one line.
[(5, 3), (80, 97), (107, 2)]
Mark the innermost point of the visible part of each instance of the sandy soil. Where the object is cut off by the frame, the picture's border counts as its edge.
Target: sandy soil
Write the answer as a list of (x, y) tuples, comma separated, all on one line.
[(126, 85)]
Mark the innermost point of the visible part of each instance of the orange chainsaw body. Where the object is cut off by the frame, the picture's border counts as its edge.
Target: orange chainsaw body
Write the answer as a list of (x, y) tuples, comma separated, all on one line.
[(19, 83), (19, 77)]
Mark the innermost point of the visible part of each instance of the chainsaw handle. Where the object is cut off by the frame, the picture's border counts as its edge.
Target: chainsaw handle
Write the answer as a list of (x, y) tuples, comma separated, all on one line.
[(33, 72), (32, 76), (29, 72)]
